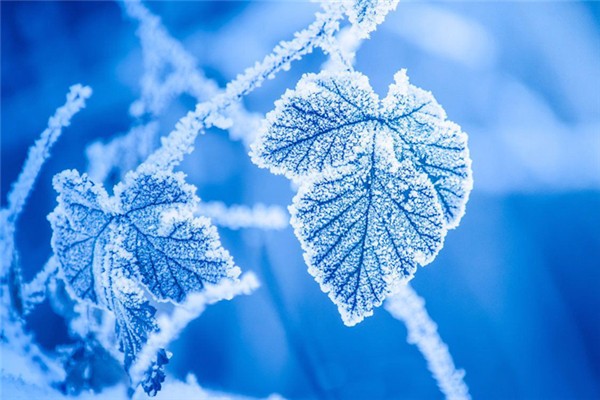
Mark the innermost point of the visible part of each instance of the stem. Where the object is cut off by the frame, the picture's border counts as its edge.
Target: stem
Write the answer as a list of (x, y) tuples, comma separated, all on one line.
[(40, 151), (181, 140), (170, 327), (407, 306), (34, 292)]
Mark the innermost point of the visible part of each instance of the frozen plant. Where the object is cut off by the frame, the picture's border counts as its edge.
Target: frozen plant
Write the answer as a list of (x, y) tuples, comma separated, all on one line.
[(380, 183)]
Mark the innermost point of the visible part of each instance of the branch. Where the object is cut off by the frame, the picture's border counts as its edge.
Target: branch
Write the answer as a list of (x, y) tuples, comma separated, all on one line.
[(242, 216), (407, 306), (170, 327), (210, 113)]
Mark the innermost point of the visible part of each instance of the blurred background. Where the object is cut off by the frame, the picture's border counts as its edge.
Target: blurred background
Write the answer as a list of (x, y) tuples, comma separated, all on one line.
[(515, 291)]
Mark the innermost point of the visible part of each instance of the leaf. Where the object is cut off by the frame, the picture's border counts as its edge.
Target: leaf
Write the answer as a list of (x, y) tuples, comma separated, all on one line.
[(155, 375), (173, 252), (177, 254), (110, 248), (79, 225), (316, 126), (436, 146), (374, 210), (376, 220), (367, 14), (133, 313)]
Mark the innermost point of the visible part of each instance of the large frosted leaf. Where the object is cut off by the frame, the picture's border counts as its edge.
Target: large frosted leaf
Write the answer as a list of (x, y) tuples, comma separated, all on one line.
[(380, 181), (316, 126), (364, 229)]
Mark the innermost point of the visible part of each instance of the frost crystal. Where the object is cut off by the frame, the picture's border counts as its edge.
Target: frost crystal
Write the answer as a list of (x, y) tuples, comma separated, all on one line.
[(381, 182), (145, 234), (367, 14)]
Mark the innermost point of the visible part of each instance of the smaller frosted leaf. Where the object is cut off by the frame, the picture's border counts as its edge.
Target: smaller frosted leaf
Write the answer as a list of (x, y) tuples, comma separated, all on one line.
[(175, 253), (435, 145), (318, 125), (364, 228), (79, 226), (146, 234), (367, 14)]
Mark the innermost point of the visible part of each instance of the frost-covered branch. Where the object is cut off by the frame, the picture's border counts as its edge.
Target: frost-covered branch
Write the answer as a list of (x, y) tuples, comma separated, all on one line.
[(169, 327), (11, 292), (40, 151), (342, 49), (34, 292), (407, 306), (123, 152), (242, 216), (36, 157), (161, 52), (181, 140)]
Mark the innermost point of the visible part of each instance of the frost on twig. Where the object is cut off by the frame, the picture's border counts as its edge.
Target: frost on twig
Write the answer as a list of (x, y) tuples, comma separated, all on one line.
[(169, 72), (408, 307), (241, 216), (36, 157), (181, 140), (365, 15), (34, 292), (169, 327), (14, 297), (123, 153)]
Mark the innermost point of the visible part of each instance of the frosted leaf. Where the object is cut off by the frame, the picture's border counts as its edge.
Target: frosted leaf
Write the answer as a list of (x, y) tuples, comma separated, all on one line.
[(367, 14), (109, 248), (135, 316), (380, 181), (437, 147), (79, 225), (133, 313), (317, 125), (174, 253), (364, 228)]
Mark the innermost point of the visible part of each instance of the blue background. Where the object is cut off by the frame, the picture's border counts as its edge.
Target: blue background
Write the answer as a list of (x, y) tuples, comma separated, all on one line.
[(515, 289)]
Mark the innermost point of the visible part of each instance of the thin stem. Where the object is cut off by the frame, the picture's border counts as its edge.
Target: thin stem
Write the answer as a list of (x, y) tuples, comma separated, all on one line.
[(34, 292), (38, 154), (169, 328), (407, 306), (181, 140), (40, 151)]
